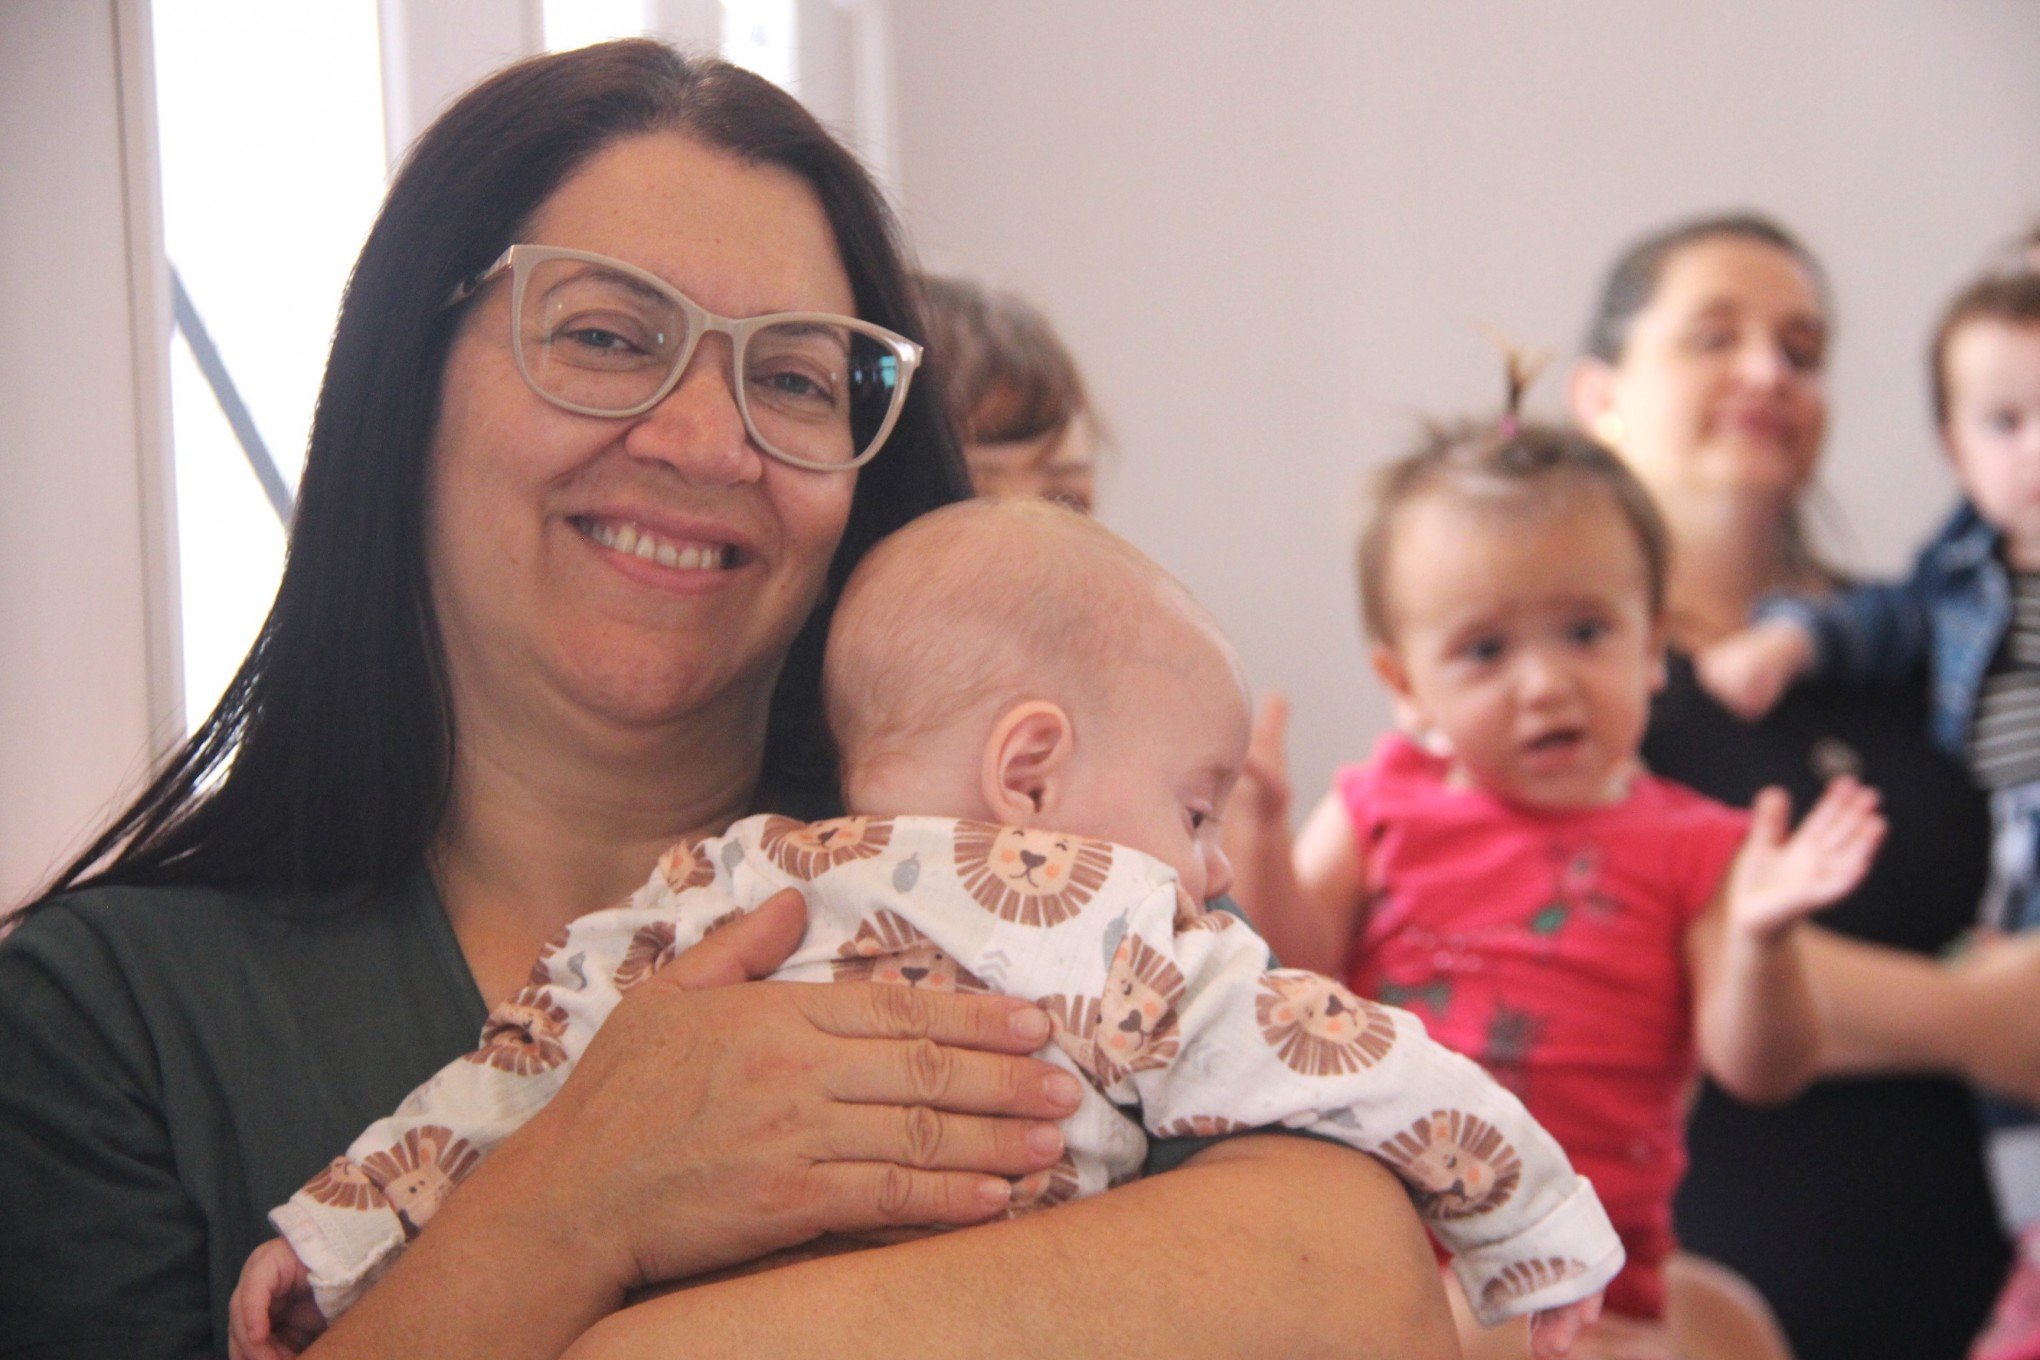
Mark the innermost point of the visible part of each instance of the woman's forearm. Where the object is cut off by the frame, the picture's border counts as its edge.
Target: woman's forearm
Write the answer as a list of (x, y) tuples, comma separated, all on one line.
[(1263, 1245), (497, 1277), (1891, 1011)]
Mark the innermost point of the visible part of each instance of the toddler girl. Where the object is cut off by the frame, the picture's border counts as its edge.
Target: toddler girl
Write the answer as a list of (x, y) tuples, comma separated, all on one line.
[(1510, 873)]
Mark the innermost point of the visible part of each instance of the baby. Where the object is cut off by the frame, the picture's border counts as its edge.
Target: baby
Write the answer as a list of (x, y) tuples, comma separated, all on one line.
[(1510, 872), (1971, 610), (1018, 667)]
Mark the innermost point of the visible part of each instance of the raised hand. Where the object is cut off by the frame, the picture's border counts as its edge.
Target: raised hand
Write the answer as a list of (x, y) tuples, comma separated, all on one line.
[(1748, 672), (1780, 878), (1264, 792)]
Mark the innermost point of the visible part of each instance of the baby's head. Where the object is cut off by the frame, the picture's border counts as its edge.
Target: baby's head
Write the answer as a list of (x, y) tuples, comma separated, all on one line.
[(1986, 384), (1512, 583), (1015, 662)]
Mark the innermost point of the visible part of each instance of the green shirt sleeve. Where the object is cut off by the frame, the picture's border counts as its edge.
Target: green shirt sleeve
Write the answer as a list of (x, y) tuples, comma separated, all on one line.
[(173, 1063), (105, 1250)]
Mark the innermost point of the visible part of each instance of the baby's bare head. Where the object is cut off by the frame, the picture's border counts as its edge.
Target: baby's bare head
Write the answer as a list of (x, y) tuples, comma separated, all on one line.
[(986, 604)]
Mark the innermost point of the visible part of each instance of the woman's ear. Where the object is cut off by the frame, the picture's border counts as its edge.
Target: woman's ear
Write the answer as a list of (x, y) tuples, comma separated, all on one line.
[(1026, 759), (1590, 396)]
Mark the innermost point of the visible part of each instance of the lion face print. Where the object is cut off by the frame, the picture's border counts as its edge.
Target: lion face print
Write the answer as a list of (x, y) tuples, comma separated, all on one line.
[(1032, 878), (1137, 1012), (1201, 1126), (1456, 1165), (541, 971), (685, 865), (888, 949), (1318, 1027), (808, 850), (650, 949), (344, 1185), (1520, 1279), (523, 1034), (419, 1172)]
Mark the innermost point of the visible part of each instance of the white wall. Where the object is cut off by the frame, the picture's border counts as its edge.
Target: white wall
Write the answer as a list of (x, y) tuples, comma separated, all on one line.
[(87, 650), (1269, 231)]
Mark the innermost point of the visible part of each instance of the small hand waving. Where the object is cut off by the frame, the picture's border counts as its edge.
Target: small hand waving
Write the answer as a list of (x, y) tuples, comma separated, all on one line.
[(1780, 878)]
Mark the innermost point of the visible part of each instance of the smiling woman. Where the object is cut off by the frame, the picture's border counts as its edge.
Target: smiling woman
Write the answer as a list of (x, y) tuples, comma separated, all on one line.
[(477, 711)]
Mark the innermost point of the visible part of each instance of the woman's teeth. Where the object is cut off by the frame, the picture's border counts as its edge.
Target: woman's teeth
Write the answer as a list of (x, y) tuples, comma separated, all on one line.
[(637, 542)]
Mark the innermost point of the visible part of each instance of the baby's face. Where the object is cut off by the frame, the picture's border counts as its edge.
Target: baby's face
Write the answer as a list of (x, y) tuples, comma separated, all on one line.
[(1526, 641), (1155, 775), (1993, 429)]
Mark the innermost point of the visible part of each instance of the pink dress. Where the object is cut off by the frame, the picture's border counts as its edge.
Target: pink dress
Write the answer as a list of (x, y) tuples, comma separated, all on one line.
[(1550, 947)]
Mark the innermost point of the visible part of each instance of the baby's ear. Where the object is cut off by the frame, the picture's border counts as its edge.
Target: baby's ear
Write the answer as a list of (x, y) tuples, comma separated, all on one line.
[(1026, 759)]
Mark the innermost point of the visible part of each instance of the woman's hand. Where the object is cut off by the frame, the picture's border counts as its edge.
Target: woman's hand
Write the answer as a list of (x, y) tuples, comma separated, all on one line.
[(710, 1123), (1748, 672)]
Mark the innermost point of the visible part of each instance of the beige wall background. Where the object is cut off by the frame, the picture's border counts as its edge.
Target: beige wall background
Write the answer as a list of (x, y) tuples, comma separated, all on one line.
[(1270, 232)]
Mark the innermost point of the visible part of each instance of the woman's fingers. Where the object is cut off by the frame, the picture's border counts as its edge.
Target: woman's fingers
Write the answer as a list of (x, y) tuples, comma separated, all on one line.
[(1001, 1024), (919, 1137), (851, 1197), (925, 1072), (746, 949)]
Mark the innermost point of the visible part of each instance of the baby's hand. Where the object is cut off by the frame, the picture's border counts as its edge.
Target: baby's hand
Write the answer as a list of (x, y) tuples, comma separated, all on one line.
[(1747, 672), (1553, 1331), (272, 1316), (1778, 879)]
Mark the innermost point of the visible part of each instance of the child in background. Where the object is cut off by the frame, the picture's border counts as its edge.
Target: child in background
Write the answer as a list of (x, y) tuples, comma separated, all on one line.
[(1971, 610), (1014, 391), (1509, 872), (1016, 665)]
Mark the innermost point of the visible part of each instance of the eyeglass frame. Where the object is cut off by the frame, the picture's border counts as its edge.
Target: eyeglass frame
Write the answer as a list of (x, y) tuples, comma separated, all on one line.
[(522, 256)]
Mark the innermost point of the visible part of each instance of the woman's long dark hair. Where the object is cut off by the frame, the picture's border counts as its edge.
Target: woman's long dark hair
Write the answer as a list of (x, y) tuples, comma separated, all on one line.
[(327, 762)]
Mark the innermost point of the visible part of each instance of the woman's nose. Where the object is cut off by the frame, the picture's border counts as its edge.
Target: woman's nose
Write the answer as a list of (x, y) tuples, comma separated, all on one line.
[(1764, 363), (697, 428)]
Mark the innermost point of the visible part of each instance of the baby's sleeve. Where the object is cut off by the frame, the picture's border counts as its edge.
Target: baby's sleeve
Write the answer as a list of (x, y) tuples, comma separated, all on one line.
[(1236, 1045), (350, 1222)]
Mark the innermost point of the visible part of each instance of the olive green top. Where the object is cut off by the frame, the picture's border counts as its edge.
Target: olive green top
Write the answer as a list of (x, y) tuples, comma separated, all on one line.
[(174, 1062)]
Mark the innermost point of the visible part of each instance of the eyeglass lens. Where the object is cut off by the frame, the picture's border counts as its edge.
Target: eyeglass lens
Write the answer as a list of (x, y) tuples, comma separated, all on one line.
[(607, 342)]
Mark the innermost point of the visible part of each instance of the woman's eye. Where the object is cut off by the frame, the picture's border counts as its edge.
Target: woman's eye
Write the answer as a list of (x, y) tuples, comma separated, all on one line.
[(596, 338), (1711, 339), (1803, 356), (788, 386)]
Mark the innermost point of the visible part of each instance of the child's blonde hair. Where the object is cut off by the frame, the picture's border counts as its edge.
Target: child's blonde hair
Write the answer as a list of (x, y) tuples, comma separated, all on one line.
[(1528, 465)]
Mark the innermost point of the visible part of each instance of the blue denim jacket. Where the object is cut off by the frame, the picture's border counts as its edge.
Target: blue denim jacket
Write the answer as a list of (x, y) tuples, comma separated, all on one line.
[(1952, 612)]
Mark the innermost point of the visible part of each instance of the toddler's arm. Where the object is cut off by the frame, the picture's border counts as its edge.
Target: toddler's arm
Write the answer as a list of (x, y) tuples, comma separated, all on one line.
[(1748, 672), (1195, 1027), (350, 1222), (1755, 1015), (1306, 896)]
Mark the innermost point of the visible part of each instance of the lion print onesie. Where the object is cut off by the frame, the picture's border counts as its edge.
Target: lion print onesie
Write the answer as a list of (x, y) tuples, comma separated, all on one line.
[(1161, 1010)]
